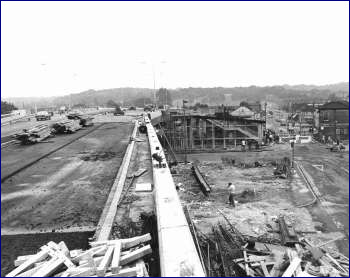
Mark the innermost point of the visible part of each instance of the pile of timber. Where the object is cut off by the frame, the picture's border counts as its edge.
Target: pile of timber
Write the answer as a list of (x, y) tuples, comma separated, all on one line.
[(304, 260), (66, 126), (227, 252), (34, 135), (112, 258)]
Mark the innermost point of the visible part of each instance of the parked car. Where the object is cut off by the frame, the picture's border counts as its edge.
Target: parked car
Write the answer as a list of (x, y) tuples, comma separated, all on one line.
[(43, 116)]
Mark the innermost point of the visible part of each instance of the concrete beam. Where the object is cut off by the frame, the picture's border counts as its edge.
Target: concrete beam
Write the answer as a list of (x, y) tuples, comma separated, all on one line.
[(177, 251), (105, 224)]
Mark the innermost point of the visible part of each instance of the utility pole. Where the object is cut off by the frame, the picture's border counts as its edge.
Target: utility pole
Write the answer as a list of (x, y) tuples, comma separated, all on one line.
[(335, 129), (154, 87), (185, 129), (265, 115), (292, 145)]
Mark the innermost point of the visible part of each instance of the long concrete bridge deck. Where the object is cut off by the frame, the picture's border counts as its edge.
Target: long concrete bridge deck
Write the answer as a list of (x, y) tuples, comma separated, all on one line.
[(177, 251)]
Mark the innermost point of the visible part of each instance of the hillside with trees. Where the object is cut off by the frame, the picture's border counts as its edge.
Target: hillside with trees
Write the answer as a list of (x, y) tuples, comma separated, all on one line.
[(7, 108), (213, 96)]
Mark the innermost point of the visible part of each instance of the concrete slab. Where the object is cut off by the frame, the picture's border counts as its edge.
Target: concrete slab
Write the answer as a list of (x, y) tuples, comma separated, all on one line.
[(142, 187)]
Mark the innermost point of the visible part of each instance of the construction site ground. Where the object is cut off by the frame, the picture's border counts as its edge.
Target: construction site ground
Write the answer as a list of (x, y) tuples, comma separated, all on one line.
[(64, 192), (262, 197)]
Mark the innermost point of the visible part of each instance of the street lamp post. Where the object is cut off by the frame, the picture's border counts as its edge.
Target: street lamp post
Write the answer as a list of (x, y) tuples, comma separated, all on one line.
[(292, 145), (185, 129), (154, 80)]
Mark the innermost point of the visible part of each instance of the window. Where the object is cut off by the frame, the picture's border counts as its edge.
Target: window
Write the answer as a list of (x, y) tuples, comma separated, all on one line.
[(325, 116)]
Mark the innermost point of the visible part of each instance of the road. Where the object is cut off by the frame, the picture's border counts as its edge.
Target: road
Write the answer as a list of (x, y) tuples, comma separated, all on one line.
[(333, 184), (65, 191)]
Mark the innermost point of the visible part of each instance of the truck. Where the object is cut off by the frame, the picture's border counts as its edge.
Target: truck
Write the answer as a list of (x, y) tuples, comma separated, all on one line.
[(43, 116), (118, 111)]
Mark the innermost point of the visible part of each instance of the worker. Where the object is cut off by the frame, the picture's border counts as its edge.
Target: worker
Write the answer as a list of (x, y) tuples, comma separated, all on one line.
[(232, 190), (243, 145), (159, 158)]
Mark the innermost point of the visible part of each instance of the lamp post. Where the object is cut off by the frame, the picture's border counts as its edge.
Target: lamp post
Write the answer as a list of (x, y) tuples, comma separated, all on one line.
[(153, 67), (185, 129), (292, 146)]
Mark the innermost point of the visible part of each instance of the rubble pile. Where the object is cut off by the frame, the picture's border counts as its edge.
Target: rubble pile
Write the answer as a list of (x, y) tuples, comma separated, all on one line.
[(67, 126), (226, 253), (111, 258)]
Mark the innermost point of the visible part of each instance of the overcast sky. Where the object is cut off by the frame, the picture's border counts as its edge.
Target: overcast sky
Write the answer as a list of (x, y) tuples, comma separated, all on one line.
[(55, 48)]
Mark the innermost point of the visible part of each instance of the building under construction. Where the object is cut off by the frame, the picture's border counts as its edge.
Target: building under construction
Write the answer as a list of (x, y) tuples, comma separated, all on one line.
[(190, 131)]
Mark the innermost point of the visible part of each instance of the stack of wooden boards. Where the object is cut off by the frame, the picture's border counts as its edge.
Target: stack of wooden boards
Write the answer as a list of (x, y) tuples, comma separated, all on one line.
[(34, 135), (112, 258), (66, 126), (303, 261)]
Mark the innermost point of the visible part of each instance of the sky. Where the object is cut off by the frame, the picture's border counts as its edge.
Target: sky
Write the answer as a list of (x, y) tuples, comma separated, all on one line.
[(58, 48)]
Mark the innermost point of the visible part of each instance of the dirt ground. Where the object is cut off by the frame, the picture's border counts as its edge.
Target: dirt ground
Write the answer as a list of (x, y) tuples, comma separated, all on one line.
[(265, 197), (67, 190)]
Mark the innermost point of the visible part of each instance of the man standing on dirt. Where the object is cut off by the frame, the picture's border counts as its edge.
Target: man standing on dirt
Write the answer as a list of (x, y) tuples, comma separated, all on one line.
[(232, 190), (243, 145)]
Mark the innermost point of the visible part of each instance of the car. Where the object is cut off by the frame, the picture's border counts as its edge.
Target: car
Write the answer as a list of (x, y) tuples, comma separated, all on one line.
[(43, 116), (132, 108)]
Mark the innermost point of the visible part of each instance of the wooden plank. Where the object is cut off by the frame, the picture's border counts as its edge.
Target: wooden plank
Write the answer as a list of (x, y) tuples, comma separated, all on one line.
[(30, 272), (29, 263), (81, 272), (21, 259), (49, 268), (336, 263), (251, 271), (145, 271), (96, 251), (56, 252), (330, 241), (137, 254), (75, 253), (132, 242), (245, 264), (126, 272), (258, 264), (292, 267), (102, 268), (126, 243), (264, 269), (64, 249), (116, 257)]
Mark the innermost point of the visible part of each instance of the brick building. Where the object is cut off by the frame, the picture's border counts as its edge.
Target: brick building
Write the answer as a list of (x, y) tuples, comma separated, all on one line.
[(334, 120)]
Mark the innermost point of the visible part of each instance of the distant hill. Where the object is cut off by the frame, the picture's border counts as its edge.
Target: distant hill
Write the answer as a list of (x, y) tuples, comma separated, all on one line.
[(338, 87), (213, 96)]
